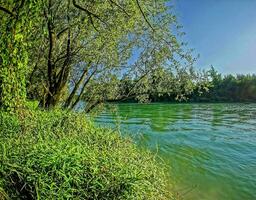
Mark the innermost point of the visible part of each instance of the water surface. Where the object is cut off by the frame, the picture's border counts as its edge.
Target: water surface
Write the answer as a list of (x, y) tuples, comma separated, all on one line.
[(210, 149)]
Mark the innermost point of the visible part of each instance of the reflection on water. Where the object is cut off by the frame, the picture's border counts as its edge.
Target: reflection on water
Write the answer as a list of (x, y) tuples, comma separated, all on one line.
[(210, 148)]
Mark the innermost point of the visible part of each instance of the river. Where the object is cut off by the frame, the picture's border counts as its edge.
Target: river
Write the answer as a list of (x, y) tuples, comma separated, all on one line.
[(209, 149)]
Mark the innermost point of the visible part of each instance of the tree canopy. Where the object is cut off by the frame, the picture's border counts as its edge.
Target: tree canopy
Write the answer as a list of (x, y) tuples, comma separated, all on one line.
[(68, 50)]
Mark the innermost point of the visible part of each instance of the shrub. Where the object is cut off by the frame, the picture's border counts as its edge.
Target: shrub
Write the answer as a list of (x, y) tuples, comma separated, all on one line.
[(62, 155)]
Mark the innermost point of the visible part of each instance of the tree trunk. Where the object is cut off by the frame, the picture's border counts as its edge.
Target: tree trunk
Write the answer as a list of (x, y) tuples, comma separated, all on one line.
[(77, 86), (13, 60)]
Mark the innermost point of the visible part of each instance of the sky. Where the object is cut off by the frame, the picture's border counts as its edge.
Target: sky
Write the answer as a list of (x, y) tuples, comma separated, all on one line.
[(223, 32)]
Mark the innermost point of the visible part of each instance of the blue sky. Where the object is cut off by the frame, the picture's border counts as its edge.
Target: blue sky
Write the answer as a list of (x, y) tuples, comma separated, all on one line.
[(223, 32)]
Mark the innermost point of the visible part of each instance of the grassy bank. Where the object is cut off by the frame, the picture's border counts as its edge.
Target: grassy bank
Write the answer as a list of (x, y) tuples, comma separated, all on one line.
[(61, 155)]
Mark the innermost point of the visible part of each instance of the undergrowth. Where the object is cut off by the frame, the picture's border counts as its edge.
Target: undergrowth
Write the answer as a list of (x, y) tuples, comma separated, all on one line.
[(62, 155)]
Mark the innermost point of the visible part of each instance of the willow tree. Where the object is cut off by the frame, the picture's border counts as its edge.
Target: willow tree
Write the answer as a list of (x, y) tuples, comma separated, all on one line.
[(78, 38), (82, 43)]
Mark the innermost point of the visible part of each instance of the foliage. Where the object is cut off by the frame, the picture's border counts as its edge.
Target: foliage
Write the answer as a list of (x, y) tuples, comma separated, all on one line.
[(61, 155), (191, 86), (80, 44), (161, 84), (228, 88), (13, 60), (14, 29), (74, 47)]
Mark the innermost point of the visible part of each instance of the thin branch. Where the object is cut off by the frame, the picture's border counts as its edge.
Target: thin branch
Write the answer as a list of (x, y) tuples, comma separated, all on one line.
[(120, 7), (6, 11), (83, 88), (50, 38), (65, 71), (144, 16), (61, 32), (63, 75), (92, 23), (77, 85), (89, 13), (91, 107)]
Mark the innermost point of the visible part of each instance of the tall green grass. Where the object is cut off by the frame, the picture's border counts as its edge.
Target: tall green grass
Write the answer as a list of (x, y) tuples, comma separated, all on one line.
[(62, 155)]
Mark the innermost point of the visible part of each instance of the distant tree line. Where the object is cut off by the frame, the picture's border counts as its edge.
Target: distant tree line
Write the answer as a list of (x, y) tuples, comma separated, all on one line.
[(228, 88), (207, 86)]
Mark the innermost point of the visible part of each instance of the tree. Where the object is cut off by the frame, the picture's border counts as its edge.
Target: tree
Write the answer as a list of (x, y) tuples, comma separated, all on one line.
[(17, 19), (228, 88), (13, 59), (82, 43), (71, 46)]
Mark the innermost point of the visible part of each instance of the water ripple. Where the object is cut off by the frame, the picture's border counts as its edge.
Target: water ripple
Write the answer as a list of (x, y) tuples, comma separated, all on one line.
[(210, 146)]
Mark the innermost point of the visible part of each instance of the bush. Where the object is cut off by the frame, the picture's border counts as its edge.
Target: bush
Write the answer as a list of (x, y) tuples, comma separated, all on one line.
[(61, 155)]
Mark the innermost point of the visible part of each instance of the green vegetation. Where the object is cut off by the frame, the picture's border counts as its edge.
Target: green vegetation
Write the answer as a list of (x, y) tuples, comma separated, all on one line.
[(61, 155), (58, 52), (228, 88), (65, 51), (62, 52), (13, 60), (209, 86)]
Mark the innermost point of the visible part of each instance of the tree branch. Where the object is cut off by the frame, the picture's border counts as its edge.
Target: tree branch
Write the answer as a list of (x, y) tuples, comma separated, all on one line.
[(83, 88), (120, 7), (77, 85), (50, 38), (61, 32), (91, 107), (144, 16), (65, 70), (6, 11), (89, 13)]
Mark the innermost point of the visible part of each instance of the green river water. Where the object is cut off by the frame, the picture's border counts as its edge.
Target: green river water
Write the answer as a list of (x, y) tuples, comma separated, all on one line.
[(210, 149)]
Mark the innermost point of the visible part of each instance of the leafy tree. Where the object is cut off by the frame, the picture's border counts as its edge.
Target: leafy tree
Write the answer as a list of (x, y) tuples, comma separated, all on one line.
[(229, 88), (81, 44), (14, 30), (75, 49)]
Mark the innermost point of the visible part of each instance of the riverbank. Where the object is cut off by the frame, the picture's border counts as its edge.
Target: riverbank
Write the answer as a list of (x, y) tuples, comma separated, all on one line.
[(62, 155)]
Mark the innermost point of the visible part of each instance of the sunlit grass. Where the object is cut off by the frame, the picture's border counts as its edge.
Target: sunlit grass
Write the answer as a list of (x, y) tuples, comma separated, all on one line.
[(61, 155)]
